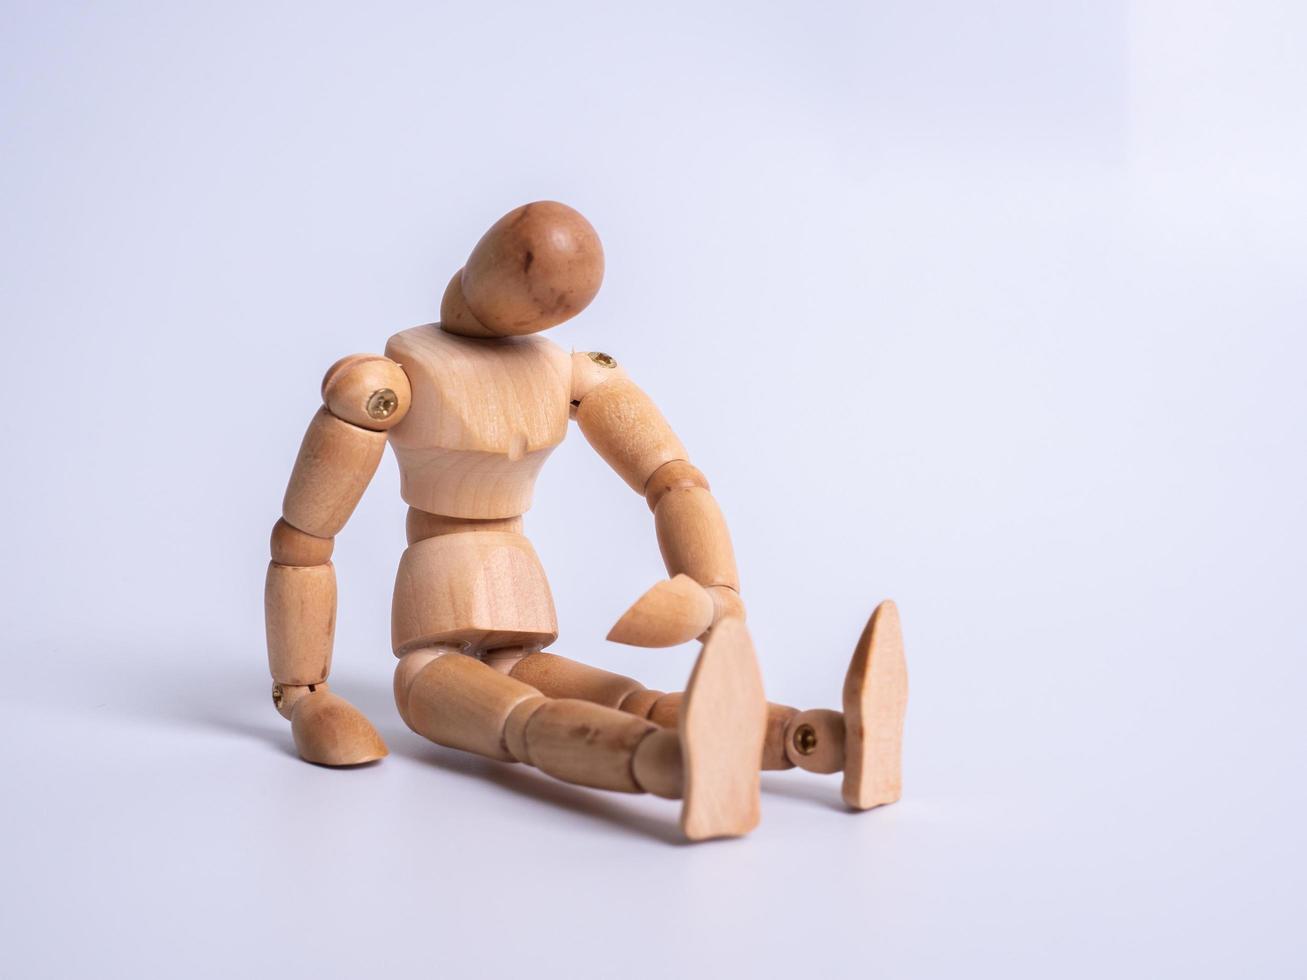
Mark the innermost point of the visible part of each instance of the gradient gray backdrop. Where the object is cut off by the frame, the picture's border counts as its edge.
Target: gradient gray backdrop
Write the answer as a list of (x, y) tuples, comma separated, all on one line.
[(995, 308)]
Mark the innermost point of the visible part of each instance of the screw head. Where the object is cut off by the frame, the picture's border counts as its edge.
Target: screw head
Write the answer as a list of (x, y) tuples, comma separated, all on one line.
[(278, 695), (805, 739), (602, 359), (382, 404)]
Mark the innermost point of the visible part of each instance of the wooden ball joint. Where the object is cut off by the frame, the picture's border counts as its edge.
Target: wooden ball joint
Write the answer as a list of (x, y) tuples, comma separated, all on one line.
[(472, 407)]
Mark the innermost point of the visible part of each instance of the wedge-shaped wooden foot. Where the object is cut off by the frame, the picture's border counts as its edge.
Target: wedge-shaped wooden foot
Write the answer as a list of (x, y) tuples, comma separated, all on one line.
[(875, 702), (672, 612), (722, 723), (330, 731)]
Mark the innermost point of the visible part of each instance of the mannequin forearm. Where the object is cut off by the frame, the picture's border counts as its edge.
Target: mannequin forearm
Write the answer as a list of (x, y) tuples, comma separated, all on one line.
[(692, 532)]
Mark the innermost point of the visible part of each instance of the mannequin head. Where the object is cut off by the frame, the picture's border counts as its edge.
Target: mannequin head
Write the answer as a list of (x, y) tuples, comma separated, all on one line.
[(537, 266)]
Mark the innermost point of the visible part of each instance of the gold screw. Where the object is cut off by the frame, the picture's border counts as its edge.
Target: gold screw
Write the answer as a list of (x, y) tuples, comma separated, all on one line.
[(602, 359), (278, 696), (805, 739), (382, 404)]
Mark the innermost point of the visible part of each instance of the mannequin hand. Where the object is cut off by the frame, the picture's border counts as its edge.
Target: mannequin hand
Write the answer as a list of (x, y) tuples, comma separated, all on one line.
[(675, 611), (328, 729)]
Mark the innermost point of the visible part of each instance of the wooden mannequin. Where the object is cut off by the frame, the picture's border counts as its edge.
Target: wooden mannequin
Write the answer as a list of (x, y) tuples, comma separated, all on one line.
[(472, 407)]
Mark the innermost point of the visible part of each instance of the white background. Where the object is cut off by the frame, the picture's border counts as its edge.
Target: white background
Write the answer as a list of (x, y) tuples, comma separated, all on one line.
[(995, 308)]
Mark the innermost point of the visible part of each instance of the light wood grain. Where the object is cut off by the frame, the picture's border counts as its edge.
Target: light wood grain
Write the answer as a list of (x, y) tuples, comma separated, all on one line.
[(875, 704), (482, 589), (693, 538), (624, 426), (678, 474), (673, 611), (286, 696), (409, 666), (559, 677), (419, 525), (590, 369), (330, 731), (291, 546), (666, 711), (726, 603), (486, 414), (504, 659), (774, 756), (585, 743), (515, 727), (300, 617), (367, 390), (722, 726), (657, 766), (335, 464), (641, 702), (460, 702)]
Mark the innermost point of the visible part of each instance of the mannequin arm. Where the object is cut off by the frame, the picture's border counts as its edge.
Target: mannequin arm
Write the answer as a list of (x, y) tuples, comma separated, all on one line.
[(625, 427), (364, 395)]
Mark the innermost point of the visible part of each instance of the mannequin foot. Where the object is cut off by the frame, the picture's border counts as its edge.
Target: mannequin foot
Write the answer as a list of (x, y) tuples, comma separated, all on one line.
[(721, 726), (875, 702)]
